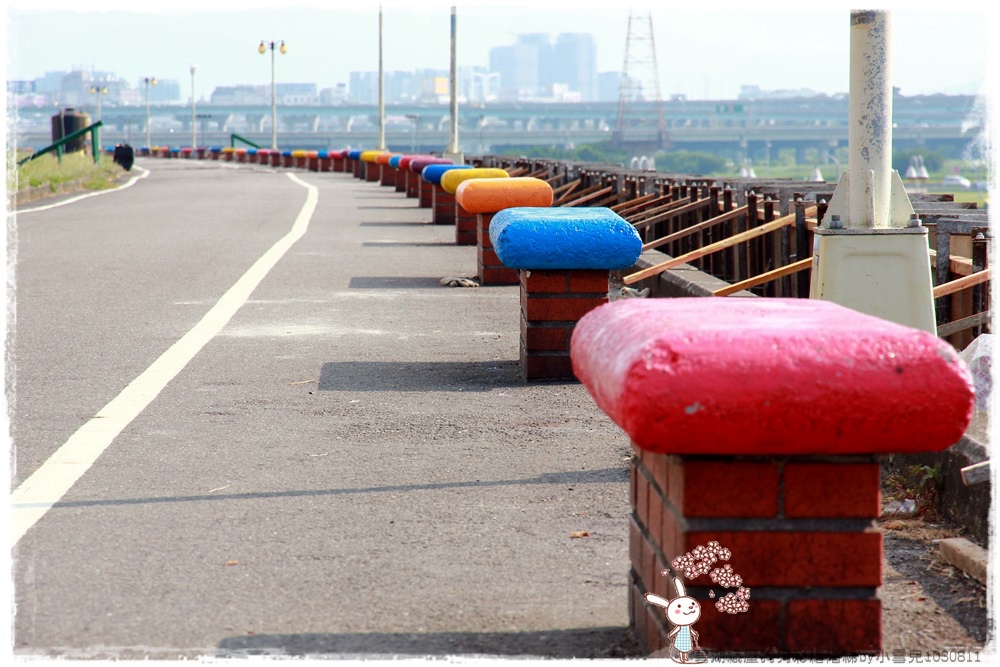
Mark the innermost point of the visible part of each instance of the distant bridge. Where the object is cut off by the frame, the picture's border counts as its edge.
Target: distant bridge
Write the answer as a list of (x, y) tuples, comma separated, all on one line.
[(738, 126)]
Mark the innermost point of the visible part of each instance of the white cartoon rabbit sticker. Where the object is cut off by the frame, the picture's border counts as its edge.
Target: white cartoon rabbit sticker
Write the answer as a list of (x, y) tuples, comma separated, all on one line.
[(682, 612)]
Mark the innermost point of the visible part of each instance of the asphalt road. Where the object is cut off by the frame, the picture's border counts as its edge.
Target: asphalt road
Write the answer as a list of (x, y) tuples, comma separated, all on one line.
[(349, 465)]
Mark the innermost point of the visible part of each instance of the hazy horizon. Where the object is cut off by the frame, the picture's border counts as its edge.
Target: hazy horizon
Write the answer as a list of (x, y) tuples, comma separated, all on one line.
[(700, 54)]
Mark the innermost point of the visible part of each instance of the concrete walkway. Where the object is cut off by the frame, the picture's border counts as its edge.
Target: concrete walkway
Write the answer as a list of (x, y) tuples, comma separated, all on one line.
[(351, 466)]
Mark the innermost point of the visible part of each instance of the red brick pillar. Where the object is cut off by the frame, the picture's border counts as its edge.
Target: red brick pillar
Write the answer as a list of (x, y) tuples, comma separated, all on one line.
[(757, 427), (412, 185), (425, 192), (373, 172), (388, 176), (337, 163), (491, 270), (356, 168), (552, 302), (401, 176), (802, 539), (275, 158), (443, 203), (465, 226)]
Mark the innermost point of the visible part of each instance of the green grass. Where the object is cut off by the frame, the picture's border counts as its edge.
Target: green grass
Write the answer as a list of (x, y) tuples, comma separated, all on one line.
[(48, 170)]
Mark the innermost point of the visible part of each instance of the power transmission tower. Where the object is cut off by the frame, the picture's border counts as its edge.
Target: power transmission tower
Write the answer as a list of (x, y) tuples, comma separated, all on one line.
[(640, 82)]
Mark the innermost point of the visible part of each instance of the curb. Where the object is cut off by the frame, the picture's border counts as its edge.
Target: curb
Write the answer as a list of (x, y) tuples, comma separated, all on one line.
[(966, 556)]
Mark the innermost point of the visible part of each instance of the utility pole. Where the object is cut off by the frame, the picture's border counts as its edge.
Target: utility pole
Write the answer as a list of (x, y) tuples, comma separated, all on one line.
[(454, 152), (381, 87)]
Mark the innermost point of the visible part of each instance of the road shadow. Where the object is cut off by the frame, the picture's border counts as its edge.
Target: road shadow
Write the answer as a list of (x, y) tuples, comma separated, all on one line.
[(418, 375), (393, 282), (607, 642), (393, 244), (564, 478), (379, 223)]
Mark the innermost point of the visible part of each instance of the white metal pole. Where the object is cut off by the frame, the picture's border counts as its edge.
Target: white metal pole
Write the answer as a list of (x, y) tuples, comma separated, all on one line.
[(194, 126), (149, 143), (870, 130), (381, 87), (274, 105), (454, 151)]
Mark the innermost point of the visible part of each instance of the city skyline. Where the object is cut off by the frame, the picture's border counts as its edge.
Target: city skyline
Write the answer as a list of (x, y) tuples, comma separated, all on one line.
[(696, 50)]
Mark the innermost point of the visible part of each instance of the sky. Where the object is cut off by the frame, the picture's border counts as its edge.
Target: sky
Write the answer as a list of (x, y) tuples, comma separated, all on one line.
[(703, 50)]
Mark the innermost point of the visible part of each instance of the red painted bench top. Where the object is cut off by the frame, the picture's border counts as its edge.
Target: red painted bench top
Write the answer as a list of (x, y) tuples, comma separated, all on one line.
[(770, 376)]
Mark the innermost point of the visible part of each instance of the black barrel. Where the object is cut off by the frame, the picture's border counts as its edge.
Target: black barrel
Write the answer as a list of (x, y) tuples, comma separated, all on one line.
[(67, 122)]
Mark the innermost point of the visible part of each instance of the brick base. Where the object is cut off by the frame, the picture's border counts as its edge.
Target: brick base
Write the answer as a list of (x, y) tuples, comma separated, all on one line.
[(425, 192), (339, 164), (552, 302), (388, 176), (356, 168), (802, 539), (412, 184), (465, 226), (443, 203), (373, 172), (491, 270)]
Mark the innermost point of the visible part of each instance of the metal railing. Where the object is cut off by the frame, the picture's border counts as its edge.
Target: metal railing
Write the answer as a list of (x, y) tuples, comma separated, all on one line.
[(233, 138), (95, 144)]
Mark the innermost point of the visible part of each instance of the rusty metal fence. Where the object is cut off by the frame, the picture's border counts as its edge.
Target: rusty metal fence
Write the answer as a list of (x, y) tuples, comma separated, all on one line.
[(757, 234)]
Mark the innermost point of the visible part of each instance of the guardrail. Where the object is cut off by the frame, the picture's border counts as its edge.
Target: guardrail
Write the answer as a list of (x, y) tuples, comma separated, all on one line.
[(95, 144)]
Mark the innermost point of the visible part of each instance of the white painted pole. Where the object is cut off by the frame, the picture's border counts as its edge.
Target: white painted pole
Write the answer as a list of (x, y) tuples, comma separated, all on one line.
[(274, 105), (381, 87), (454, 152), (870, 128), (194, 125)]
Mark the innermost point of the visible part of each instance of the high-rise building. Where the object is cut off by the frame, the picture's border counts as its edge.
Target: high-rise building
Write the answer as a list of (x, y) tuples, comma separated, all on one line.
[(363, 88), (575, 64), (525, 68), (609, 86), (535, 68)]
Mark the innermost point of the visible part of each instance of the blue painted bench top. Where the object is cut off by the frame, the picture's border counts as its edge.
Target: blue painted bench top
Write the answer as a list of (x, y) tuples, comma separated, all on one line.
[(564, 238), (251, 151), (323, 154), (286, 153), (175, 149), (215, 149), (394, 161), (354, 155), (432, 173)]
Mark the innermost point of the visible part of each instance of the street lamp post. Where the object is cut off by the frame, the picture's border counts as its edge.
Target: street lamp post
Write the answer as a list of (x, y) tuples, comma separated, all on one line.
[(262, 49), (194, 126), (381, 87), (150, 81), (454, 152), (99, 90), (415, 119)]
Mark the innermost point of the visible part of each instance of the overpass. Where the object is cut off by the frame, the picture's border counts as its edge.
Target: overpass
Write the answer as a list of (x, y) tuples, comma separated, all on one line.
[(740, 127)]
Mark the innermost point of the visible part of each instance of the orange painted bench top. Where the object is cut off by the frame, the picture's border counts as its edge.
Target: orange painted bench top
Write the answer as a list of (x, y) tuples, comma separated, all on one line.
[(489, 195)]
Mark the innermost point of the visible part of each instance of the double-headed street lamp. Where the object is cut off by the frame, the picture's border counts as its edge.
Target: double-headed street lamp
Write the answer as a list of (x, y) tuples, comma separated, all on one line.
[(98, 90), (149, 81), (262, 49)]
